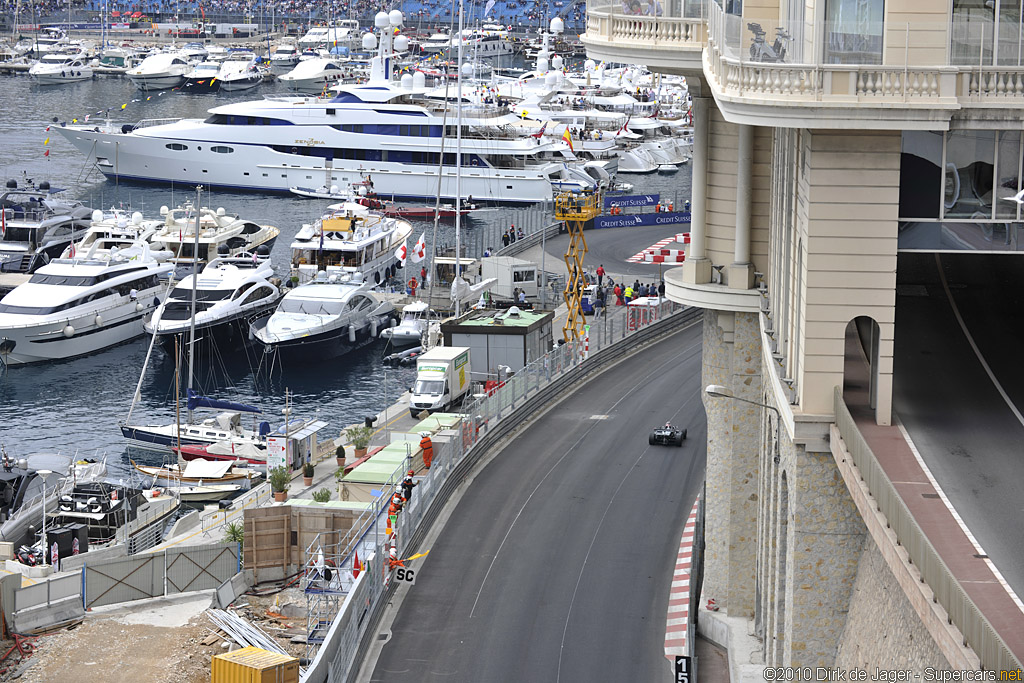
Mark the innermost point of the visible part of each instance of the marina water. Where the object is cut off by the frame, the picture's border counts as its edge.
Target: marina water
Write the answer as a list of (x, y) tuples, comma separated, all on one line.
[(74, 406)]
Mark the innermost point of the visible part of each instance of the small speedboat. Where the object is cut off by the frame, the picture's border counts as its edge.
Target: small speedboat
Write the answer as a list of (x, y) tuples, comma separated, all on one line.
[(200, 469), (200, 492), (411, 327), (445, 212)]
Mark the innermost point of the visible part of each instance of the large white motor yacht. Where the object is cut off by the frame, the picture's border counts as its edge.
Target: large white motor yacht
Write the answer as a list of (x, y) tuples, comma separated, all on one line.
[(322, 319), (313, 75), (381, 127), (159, 72), (229, 292), (71, 307), (284, 58)]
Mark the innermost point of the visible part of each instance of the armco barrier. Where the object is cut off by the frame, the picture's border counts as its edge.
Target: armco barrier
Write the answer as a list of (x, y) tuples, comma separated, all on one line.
[(351, 631), (978, 633)]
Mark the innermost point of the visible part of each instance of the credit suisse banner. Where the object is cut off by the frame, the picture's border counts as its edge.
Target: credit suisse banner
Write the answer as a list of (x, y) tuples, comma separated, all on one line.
[(632, 220), (628, 200)]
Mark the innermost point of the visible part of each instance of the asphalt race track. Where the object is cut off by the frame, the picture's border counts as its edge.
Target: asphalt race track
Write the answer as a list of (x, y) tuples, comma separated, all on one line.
[(962, 421), (556, 564)]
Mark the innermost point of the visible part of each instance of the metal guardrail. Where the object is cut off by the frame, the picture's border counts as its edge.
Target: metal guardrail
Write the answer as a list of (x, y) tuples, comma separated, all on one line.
[(46, 592), (255, 497), (977, 631), (528, 391)]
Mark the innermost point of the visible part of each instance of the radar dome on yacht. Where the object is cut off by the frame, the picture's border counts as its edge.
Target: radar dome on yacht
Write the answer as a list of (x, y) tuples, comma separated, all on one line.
[(551, 79), (381, 20), (334, 189), (589, 64), (137, 218), (466, 69), (221, 211), (401, 43), (542, 64), (321, 275), (395, 17), (369, 42), (97, 216), (557, 25), (407, 81), (556, 63), (164, 210), (362, 190), (419, 80)]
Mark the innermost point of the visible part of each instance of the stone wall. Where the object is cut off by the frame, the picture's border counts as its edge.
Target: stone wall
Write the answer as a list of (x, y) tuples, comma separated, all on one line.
[(732, 357), (882, 629)]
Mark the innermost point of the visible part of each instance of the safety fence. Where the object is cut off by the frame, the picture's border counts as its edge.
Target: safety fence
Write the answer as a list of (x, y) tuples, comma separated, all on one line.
[(135, 577), (962, 612), (256, 497), (344, 608)]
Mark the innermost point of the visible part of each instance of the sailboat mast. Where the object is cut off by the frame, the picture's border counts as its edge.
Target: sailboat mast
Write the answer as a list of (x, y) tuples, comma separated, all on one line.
[(458, 167), (195, 287)]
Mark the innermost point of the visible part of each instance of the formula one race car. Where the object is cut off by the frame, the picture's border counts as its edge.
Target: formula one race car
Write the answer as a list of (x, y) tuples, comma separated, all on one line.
[(667, 436)]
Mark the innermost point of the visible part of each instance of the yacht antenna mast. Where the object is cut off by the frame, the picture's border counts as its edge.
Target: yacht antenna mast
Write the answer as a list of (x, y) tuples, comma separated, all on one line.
[(458, 166), (195, 287)]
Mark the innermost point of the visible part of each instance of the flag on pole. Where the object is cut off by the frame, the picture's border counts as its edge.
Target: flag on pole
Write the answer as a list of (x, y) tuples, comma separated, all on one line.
[(568, 139), (356, 567), (71, 250), (540, 132), (625, 127), (46, 153), (402, 252), (488, 7), (419, 252)]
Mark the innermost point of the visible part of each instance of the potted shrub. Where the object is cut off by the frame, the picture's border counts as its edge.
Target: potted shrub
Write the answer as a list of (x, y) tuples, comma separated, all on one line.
[(339, 455), (360, 438), (279, 480), (322, 496), (307, 474)]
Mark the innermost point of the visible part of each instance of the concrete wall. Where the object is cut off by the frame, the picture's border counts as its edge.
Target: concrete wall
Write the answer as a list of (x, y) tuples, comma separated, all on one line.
[(882, 629)]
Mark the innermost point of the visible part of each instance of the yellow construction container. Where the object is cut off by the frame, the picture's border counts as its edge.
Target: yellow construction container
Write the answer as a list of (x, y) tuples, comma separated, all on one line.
[(253, 665)]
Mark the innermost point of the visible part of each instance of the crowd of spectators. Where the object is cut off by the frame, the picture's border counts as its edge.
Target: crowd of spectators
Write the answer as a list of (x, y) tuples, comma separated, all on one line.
[(515, 13)]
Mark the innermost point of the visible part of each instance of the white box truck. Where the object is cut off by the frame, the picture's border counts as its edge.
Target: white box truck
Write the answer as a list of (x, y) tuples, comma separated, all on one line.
[(511, 273), (442, 379)]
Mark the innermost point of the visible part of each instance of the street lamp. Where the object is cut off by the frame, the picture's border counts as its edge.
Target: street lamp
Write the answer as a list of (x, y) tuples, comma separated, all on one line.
[(719, 391)]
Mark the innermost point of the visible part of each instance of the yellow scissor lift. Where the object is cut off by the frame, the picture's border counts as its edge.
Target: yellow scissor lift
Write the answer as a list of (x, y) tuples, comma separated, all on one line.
[(575, 209)]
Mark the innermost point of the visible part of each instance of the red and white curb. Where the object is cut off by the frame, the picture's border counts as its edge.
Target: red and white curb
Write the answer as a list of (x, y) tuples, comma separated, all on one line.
[(659, 253), (678, 620)]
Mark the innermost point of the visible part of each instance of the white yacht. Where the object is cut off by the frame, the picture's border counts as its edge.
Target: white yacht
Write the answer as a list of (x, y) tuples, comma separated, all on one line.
[(71, 307), (161, 71), (70, 70), (284, 58), (238, 75), (39, 223), (229, 292), (114, 228), (203, 77), (345, 32), (411, 327), (115, 61), (216, 228), (380, 127), (313, 76), (327, 317), (349, 239)]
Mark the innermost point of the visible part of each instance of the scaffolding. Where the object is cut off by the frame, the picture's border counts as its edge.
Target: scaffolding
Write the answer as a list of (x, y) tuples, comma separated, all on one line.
[(575, 210), (325, 586)]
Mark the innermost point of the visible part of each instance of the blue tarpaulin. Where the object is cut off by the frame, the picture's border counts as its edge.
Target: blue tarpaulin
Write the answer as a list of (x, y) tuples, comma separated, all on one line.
[(197, 401)]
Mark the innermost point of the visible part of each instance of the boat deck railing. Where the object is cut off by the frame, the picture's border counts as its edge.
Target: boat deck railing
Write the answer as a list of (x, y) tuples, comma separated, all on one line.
[(147, 123)]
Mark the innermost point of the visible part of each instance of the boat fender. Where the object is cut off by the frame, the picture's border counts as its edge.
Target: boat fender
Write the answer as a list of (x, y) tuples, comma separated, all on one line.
[(138, 307), (352, 334), (69, 331), (392, 322), (156, 493), (99, 320), (373, 328)]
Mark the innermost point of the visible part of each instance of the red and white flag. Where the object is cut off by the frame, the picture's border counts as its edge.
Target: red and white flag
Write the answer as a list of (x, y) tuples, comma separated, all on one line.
[(419, 252), (540, 133), (625, 126), (402, 252)]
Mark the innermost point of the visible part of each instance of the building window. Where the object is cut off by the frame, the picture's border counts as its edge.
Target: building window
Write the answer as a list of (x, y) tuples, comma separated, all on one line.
[(853, 31), (987, 33)]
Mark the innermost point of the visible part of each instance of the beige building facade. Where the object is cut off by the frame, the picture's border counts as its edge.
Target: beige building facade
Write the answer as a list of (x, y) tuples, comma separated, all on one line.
[(828, 135)]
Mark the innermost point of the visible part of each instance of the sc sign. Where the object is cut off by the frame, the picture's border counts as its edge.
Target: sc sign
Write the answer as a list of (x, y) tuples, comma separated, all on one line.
[(406, 575)]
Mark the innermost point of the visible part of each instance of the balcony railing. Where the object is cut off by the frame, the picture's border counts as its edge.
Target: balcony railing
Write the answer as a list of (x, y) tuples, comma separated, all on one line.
[(649, 23), (891, 62)]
